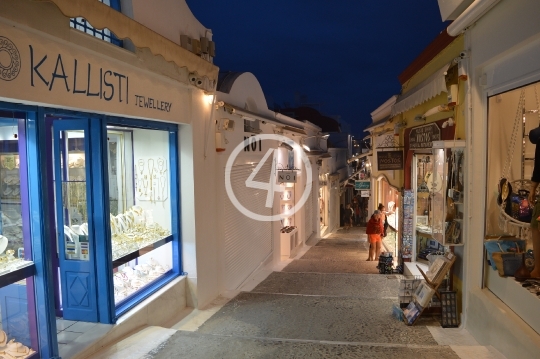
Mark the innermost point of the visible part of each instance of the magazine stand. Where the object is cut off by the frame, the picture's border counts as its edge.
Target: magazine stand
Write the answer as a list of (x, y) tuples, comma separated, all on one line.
[(433, 281)]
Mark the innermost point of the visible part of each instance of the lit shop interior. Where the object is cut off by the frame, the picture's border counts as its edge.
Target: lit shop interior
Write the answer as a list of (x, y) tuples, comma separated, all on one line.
[(92, 199)]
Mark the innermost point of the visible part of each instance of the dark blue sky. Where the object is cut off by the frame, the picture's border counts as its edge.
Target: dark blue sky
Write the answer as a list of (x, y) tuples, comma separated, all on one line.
[(344, 55)]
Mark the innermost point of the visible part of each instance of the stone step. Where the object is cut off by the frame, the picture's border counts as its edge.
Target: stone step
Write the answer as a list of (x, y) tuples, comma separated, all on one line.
[(188, 345)]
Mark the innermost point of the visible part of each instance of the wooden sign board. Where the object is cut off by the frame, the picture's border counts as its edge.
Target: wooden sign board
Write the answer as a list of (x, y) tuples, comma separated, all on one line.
[(389, 160)]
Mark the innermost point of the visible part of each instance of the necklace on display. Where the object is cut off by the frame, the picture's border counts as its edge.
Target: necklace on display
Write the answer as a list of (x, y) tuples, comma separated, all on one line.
[(151, 171), (145, 185), (141, 165), (161, 165), (163, 189)]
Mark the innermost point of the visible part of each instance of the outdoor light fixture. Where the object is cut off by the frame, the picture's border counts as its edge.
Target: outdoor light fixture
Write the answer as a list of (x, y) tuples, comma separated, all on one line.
[(286, 145), (434, 110), (209, 98), (450, 122)]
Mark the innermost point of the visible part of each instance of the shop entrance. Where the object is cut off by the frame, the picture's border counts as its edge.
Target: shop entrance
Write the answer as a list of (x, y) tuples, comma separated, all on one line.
[(74, 227)]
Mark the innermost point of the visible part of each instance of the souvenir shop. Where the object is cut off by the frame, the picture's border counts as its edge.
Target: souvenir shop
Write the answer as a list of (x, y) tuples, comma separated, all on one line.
[(505, 103), (433, 206), (89, 201)]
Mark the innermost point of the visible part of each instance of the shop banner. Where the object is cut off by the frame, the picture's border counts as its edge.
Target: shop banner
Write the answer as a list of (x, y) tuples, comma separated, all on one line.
[(423, 136), (389, 160), (42, 70), (360, 185)]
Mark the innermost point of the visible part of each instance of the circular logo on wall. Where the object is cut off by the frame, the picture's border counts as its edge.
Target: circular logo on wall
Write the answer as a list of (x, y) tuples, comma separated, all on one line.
[(271, 186), (10, 59)]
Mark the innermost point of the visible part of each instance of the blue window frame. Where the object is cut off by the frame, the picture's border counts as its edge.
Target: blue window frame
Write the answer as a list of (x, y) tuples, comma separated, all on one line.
[(145, 153), (83, 25)]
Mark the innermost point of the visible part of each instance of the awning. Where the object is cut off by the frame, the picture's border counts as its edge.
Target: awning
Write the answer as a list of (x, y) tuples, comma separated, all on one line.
[(427, 89), (344, 182), (357, 157), (318, 153), (102, 16), (378, 123)]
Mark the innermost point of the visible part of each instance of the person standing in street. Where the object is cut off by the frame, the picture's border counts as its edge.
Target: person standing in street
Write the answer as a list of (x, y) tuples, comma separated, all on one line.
[(348, 217), (374, 230)]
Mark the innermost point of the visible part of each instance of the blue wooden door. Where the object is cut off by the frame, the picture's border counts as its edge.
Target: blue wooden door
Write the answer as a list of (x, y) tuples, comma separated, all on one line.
[(73, 203)]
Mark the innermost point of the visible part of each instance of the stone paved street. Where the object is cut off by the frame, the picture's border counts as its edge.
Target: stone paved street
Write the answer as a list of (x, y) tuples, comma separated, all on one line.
[(329, 303)]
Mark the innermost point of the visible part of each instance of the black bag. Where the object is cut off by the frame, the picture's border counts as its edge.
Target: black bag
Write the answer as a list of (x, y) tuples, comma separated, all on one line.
[(518, 206), (385, 225)]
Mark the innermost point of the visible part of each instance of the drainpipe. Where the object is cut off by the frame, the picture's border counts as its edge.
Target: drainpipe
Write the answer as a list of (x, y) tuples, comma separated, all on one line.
[(468, 17)]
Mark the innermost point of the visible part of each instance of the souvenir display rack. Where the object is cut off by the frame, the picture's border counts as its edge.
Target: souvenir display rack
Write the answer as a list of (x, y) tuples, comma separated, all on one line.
[(289, 238), (407, 234), (428, 287), (446, 192)]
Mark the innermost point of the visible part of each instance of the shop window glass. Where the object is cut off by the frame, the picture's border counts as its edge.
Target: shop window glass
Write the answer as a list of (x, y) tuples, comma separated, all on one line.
[(17, 314), (12, 241), (16, 334), (140, 207)]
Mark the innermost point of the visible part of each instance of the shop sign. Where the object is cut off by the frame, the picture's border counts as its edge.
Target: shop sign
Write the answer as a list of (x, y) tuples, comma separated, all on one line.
[(44, 71), (360, 185), (365, 193), (389, 160), (423, 136), (287, 176)]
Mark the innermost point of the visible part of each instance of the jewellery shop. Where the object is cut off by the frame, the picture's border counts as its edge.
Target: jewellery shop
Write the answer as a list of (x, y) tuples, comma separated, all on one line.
[(89, 202)]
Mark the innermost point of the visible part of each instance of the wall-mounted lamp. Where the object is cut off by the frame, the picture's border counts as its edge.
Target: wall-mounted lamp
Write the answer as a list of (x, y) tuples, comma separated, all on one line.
[(434, 110), (209, 98), (398, 126), (286, 145), (450, 122)]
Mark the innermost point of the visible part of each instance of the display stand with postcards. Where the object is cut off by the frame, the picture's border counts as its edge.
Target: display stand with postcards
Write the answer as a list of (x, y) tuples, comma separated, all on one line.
[(423, 294)]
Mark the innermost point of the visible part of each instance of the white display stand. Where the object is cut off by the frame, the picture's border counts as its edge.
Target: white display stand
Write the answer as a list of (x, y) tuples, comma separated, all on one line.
[(290, 242)]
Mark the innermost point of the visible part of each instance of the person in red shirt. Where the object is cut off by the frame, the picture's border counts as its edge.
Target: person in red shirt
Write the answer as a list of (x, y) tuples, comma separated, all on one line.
[(374, 230)]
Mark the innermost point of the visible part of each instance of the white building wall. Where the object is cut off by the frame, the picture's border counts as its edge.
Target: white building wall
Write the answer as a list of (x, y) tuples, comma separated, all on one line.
[(504, 50)]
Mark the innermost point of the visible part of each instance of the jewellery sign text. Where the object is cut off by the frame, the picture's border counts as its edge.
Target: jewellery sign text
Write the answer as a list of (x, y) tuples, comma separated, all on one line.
[(40, 70), (389, 160), (423, 136)]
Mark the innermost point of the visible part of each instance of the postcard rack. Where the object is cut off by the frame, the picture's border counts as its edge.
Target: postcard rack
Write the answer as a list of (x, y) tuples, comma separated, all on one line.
[(429, 287)]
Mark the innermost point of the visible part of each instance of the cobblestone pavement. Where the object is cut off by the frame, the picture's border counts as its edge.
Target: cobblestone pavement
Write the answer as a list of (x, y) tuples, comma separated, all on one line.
[(327, 304)]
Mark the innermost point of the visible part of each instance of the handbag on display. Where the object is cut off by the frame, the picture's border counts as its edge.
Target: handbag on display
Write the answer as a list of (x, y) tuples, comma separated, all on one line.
[(518, 206)]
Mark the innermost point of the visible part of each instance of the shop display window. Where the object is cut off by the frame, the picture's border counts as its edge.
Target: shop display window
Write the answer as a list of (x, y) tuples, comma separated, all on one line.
[(18, 334), (140, 208), (439, 197), (12, 244)]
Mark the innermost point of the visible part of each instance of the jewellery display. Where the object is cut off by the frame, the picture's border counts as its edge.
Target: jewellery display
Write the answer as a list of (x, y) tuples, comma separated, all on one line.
[(130, 232), (9, 175), (128, 280), (151, 180), (13, 349)]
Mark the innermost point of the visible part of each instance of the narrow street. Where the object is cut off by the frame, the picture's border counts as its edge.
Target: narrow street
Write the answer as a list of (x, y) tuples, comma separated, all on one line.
[(329, 303)]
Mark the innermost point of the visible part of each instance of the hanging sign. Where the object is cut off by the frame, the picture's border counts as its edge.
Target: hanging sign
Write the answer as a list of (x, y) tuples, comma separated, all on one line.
[(365, 193), (389, 160), (423, 136), (360, 185), (287, 176)]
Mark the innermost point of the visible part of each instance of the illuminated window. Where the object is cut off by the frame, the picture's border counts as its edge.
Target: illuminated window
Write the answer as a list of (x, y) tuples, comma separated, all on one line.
[(83, 25)]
